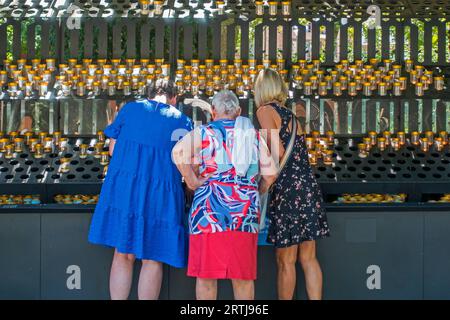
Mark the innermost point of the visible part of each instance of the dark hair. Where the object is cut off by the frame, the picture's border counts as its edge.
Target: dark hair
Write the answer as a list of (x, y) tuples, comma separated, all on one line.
[(164, 87)]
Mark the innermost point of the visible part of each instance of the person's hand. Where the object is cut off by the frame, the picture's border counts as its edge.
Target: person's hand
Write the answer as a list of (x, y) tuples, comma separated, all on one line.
[(205, 106), (197, 182)]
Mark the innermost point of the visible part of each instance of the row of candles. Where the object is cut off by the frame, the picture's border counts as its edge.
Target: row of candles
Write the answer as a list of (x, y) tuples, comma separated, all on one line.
[(104, 76), (76, 198), (207, 77), (321, 147), (308, 77), (42, 143), (425, 141), (381, 77), (8, 199), (371, 198), (445, 198), (156, 7)]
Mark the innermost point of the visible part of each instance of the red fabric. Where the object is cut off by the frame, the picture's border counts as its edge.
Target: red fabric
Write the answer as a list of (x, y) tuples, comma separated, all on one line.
[(223, 255)]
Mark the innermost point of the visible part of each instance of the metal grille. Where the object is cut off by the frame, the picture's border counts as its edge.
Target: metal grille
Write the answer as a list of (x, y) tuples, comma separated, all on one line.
[(177, 8), (225, 37)]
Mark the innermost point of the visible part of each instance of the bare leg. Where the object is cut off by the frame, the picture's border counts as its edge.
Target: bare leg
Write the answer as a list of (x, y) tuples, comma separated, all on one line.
[(121, 276), (243, 289), (286, 260), (206, 289), (311, 269), (150, 280)]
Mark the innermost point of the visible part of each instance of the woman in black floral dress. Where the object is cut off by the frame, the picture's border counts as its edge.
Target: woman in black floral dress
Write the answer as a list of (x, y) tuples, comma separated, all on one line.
[(296, 214)]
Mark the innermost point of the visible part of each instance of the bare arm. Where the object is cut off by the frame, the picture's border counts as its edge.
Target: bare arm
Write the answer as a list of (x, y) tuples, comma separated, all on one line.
[(268, 168), (270, 122), (112, 143), (183, 154)]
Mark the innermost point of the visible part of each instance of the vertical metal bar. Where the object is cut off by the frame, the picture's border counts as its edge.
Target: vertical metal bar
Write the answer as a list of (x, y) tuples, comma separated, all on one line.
[(45, 39), (60, 38), (273, 31), (203, 40), (315, 40), (74, 42), (420, 115), (187, 41), (145, 40), (3, 41), (102, 39), (17, 43), (434, 114), (308, 115), (426, 107), (441, 119), (88, 38), (65, 105), (287, 44), (258, 40), (371, 43), (245, 40), (400, 43), (173, 43), (51, 117), (95, 107), (117, 39), (391, 116), (301, 43), (159, 38), (377, 116), (216, 39), (322, 115), (363, 115), (442, 44), (131, 38), (447, 116), (414, 43), (329, 45), (231, 41), (385, 40), (428, 42), (406, 115), (349, 127), (31, 41), (357, 41), (343, 45)]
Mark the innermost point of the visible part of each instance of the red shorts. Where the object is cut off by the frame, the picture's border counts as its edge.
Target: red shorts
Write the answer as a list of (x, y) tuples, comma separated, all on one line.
[(223, 255)]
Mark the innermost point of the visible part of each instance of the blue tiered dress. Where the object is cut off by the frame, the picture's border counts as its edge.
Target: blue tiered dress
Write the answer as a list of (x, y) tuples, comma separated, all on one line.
[(141, 205)]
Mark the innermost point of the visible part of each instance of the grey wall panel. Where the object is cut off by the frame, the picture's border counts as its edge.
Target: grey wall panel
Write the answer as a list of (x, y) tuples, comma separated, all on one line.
[(64, 244), (20, 262), (437, 255), (178, 279), (266, 283), (346, 258)]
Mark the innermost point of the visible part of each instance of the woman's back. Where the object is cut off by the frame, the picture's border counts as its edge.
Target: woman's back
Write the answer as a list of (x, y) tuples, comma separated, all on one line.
[(146, 132), (216, 154)]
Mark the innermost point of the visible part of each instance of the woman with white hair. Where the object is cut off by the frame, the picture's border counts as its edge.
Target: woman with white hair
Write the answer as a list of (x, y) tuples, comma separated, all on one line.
[(224, 217)]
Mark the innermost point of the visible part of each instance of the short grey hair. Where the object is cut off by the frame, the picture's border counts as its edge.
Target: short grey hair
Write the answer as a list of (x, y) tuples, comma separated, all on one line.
[(226, 102)]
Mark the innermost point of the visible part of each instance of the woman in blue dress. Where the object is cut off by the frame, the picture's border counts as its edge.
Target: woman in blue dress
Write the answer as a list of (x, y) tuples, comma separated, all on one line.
[(141, 207)]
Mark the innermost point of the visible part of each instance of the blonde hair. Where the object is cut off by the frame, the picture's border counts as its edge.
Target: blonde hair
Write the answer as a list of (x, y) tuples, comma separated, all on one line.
[(269, 86)]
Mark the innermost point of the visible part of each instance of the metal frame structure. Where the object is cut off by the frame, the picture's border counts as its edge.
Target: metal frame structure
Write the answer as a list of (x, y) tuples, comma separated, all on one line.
[(200, 29)]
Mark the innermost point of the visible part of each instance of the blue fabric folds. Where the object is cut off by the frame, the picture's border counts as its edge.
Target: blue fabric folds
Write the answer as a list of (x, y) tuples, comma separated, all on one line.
[(141, 205)]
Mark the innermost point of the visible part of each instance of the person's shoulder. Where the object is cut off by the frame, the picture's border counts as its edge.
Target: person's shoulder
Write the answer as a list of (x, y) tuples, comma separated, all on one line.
[(265, 109), (133, 104)]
